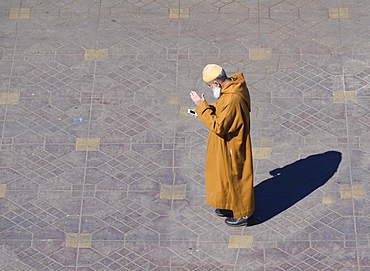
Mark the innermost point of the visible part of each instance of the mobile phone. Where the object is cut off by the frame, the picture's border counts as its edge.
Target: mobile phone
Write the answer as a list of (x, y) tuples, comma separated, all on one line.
[(192, 112)]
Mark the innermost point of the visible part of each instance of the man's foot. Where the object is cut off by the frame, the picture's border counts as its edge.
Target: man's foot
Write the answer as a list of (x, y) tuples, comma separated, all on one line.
[(224, 212), (237, 222)]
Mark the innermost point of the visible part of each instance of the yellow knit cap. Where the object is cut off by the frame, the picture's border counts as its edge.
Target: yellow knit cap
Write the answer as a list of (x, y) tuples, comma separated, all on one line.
[(211, 72)]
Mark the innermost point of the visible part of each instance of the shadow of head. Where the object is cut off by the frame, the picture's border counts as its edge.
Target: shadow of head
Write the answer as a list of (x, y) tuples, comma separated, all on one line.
[(292, 183)]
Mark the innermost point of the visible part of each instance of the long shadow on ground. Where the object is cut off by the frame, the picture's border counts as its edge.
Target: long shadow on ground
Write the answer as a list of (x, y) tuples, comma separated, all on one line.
[(292, 183)]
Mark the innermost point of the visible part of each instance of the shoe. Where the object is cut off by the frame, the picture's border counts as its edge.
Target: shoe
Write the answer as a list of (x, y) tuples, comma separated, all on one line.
[(237, 222), (224, 212)]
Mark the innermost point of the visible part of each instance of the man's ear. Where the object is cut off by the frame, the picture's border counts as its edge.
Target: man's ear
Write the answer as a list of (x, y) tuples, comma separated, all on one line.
[(218, 84)]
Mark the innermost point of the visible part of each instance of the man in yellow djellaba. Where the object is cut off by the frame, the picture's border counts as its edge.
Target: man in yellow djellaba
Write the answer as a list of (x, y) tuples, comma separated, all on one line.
[(229, 165)]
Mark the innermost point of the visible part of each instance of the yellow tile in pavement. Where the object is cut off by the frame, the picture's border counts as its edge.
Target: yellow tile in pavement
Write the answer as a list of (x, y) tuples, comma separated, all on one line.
[(174, 13), (173, 100), (240, 241), (348, 191), (72, 240), (259, 54), (19, 13), (335, 13), (9, 98), (2, 190), (179, 191), (78, 240), (173, 191), (166, 191), (96, 54), (329, 197), (184, 12), (261, 153), (266, 141), (84, 240), (179, 13), (87, 144), (345, 97), (358, 191)]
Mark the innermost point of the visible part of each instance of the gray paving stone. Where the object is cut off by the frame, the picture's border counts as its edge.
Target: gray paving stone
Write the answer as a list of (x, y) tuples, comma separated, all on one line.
[(106, 207)]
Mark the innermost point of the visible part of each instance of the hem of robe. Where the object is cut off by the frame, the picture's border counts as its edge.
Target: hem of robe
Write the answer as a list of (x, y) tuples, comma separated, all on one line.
[(247, 212)]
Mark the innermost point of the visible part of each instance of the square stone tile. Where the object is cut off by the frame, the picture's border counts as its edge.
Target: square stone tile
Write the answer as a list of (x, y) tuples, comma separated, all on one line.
[(330, 197), (184, 12), (302, 74), (335, 13), (266, 141), (173, 100), (261, 153), (19, 13), (96, 54), (166, 191), (259, 54), (240, 241), (9, 98), (173, 191), (87, 144), (174, 13), (179, 191), (78, 240), (2, 190), (348, 191), (345, 97), (179, 13)]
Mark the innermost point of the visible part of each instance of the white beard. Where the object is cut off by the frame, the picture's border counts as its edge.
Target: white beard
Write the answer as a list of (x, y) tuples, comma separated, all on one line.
[(216, 92)]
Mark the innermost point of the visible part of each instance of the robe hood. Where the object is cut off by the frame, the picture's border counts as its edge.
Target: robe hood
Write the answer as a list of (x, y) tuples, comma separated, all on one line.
[(239, 87)]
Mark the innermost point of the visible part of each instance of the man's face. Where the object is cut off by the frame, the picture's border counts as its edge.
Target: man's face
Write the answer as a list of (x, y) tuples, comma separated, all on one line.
[(216, 87)]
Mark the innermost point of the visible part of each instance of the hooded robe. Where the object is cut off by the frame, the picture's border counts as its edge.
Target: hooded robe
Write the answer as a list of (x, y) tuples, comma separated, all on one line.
[(228, 167)]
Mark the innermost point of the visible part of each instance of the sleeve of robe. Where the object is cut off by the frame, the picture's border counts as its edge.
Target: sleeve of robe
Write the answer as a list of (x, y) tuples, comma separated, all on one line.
[(222, 122)]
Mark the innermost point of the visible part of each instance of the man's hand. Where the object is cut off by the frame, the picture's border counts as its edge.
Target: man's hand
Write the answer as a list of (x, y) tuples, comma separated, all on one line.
[(196, 99)]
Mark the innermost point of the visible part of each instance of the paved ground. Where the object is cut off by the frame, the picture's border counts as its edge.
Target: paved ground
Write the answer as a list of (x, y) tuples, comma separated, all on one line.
[(102, 169)]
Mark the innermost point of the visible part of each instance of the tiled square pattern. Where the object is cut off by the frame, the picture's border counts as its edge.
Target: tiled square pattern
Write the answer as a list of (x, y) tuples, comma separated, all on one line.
[(173, 191), (261, 153), (87, 144), (96, 54), (240, 241), (342, 13), (179, 13), (266, 141), (9, 98), (2, 190), (330, 197), (351, 191), (118, 191), (345, 97), (19, 13), (173, 100), (259, 54), (78, 240)]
